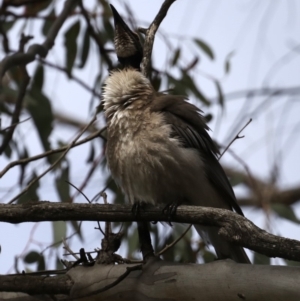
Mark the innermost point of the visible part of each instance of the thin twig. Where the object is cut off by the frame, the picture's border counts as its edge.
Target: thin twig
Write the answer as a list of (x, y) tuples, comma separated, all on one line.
[(167, 247), (235, 138), (80, 191), (71, 76), (66, 247), (51, 152), (54, 164), (253, 183), (87, 178), (264, 91), (150, 35), (15, 124)]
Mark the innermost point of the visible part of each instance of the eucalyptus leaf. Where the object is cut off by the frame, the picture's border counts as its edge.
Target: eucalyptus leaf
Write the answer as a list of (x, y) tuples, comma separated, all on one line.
[(59, 232), (285, 212), (71, 45), (205, 48)]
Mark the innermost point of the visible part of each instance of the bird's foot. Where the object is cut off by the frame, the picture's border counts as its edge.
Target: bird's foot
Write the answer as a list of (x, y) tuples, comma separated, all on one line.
[(137, 207), (170, 209)]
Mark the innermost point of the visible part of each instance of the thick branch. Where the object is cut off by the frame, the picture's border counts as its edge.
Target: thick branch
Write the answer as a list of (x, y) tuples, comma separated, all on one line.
[(36, 284), (233, 227), (159, 280), (150, 35)]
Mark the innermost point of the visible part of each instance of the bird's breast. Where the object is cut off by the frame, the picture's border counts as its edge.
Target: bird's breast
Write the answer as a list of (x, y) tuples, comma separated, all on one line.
[(139, 150)]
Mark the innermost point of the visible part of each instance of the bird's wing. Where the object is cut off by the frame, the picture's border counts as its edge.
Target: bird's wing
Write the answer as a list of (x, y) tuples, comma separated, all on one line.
[(189, 126)]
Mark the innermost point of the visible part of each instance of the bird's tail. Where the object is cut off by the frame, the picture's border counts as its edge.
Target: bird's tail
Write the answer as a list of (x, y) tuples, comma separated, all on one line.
[(223, 248)]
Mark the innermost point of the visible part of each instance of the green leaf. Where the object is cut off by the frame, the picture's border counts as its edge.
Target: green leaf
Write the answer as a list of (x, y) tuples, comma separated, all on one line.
[(227, 66), (190, 84), (32, 257), (285, 212), (236, 180), (59, 265), (133, 243), (7, 150), (36, 7), (220, 94), (31, 195), (49, 22), (76, 226), (23, 155), (41, 263), (292, 263), (205, 48), (261, 259), (108, 33), (6, 26), (40, 110), (156, 82), (177, 86), (62, 187), (59, 232), (71, 45), (38, 79), (85, 48), (176, 57), (91, 156), (119, 196), (208, 256)]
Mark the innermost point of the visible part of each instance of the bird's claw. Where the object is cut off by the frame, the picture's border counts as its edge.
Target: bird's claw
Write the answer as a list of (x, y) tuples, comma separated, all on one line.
[(137, 206), (170, 209)]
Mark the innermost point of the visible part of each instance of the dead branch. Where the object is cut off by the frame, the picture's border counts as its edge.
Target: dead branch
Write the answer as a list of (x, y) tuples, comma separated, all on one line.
[(150, 35)]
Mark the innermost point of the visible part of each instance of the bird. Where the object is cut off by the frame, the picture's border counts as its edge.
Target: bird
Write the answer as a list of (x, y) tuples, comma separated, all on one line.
[(158, 146)]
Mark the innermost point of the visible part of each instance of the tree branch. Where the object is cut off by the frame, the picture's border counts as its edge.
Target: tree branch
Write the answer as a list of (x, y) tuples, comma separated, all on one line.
[(233, 227), (54, 164), (71, 76), (160, 280), (38, 49), (150, 35), (274, 92), (50, 152), (36, 284)]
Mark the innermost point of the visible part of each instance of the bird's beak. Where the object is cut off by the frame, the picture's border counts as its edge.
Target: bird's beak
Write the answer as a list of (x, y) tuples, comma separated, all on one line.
[(127, 43)]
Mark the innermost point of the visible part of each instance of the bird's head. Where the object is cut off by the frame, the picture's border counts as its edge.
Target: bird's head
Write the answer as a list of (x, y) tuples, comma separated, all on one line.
[(126, 89), (127, 43)]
